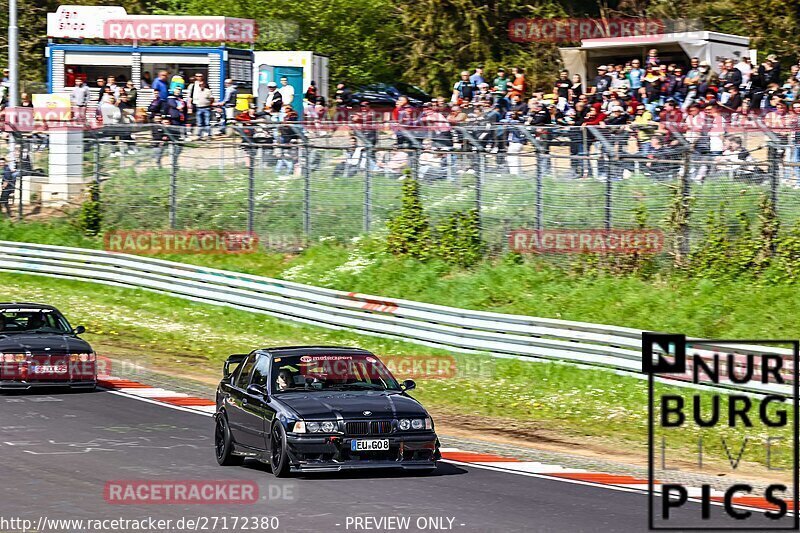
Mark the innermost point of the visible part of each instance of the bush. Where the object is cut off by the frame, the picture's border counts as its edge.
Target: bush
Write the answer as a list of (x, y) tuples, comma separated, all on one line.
[(459, 239), (90, 216), (410, 230)]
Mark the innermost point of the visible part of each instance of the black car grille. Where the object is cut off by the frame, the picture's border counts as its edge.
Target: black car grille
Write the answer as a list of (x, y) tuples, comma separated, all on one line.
[(357, 428), (365, 427), (381, 427)]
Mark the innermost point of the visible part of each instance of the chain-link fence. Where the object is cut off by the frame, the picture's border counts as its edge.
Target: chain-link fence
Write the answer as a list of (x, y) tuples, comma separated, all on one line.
[(312, 180)]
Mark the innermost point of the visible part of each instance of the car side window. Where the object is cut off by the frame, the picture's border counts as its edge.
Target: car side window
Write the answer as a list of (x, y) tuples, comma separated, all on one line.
[(261, 373), (244, 374)]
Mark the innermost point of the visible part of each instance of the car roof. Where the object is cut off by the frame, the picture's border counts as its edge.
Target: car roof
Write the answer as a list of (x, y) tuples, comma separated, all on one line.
[(287, 351), (14, 305)]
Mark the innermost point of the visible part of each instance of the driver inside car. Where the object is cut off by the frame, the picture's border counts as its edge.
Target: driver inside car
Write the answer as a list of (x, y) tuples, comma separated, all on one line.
[(35, 321), (284, 381)]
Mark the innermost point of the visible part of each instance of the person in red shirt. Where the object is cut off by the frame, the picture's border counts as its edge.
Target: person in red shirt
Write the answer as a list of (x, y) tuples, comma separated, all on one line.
[(518, 85)]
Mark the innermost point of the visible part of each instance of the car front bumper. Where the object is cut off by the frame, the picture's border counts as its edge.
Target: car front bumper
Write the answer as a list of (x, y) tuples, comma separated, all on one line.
[(26, 385), (308, 453)]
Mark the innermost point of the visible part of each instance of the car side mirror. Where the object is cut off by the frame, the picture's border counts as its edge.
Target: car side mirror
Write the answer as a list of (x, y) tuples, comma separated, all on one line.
[(257, 390), (78, 330), (409, 384)]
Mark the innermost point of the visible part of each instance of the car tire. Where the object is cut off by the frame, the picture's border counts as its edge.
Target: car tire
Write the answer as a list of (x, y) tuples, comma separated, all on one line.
[(223, 443), (278, 453)]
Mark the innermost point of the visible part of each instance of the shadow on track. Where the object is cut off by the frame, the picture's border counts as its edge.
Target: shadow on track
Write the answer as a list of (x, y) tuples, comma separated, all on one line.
[(442, 469)]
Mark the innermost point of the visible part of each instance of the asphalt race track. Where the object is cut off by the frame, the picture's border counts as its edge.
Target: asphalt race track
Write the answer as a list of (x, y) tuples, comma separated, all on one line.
[(59, 450)]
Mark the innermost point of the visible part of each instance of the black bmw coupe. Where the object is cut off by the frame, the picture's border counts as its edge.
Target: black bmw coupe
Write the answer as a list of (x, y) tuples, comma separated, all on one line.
[(39, 348), (320, 408)]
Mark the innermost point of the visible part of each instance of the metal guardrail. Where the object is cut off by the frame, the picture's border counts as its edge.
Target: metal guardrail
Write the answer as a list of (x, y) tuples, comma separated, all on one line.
[(428, 324)]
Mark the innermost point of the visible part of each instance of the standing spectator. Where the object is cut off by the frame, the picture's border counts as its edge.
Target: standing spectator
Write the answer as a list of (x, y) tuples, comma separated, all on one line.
[(794, 155), (745, 68), (601, 83), (202, 98), (228, 105), (160, 95), (8, 184), (477, 78), (112, 117), (729, 75), (500, 84), (112, 87), (80, 98), (518, 85), (635, 75), (463, 90), (199, 80), (652, 59), (311, 93), (147, 80), (164, 136), (128, 100), (642, 126), (561, 89), (176, 109), (575, 89), (403, 115), (273, 102), (692, 80), (287, 94), (161, 86), (177, 82), (5, 88), (343, 96), (678, 84)]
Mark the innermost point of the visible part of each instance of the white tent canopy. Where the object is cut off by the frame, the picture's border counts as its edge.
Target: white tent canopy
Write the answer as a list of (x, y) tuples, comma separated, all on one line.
[(674, 47)]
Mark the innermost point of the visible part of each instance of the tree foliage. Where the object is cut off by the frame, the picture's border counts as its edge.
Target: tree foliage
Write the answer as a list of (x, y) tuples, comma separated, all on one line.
[(442, 37)]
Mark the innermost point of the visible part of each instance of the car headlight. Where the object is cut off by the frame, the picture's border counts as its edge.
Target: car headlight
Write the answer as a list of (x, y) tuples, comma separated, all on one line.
[(428, 423), (299, 427), (313, 427), (405, 424), (328, 427), (417, 423)]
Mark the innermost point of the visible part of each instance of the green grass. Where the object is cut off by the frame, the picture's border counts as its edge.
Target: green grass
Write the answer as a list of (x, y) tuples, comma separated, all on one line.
[(152, 329)]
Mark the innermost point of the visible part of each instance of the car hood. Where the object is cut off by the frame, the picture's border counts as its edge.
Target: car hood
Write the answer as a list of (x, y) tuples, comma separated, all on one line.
[(43, 343), (351, 405)]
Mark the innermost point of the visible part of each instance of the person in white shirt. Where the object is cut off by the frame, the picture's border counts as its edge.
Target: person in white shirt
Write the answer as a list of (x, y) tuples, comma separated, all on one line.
[(112, 117), (287, 92), (746, 69)]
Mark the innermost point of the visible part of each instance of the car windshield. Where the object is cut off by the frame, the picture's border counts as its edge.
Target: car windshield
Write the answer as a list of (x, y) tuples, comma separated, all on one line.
[(331, 372), (32, 320), (412, 90)]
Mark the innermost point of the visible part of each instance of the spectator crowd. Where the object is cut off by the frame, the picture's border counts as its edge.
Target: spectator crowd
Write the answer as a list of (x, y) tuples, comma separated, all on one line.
[(645, 107)]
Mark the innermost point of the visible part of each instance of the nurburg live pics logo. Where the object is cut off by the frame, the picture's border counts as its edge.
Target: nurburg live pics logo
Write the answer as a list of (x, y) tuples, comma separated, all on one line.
[(745, 385)]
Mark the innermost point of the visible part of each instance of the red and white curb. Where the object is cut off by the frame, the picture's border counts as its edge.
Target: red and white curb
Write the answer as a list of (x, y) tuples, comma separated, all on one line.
[(586, 477), (157, 395), (621, 482)]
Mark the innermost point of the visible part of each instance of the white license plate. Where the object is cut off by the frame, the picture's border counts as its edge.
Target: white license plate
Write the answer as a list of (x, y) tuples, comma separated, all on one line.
[(369, 445), (49, 369)]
